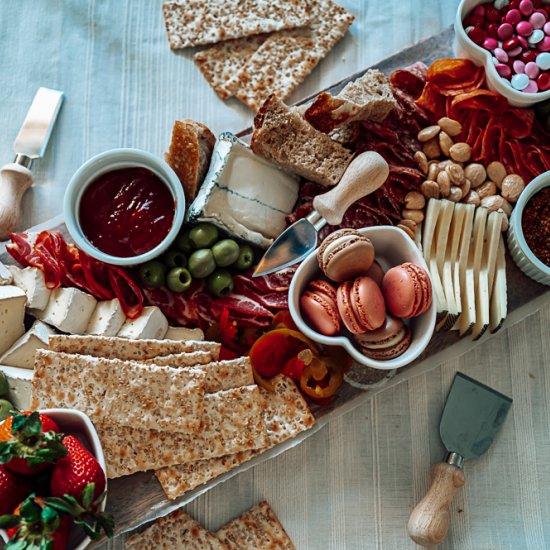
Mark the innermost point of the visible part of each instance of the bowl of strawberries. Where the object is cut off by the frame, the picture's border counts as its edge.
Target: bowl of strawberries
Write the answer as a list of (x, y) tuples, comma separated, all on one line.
[(52, 481)]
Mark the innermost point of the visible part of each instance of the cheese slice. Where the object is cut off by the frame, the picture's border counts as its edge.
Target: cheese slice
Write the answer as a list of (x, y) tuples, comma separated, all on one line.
[(439, 248), (12, 315), (437, 290), (499, 299), (151, 324), (20, 385), (31, 281), (5, 275), (428, 227), (183, 333), (107, 319), (21, 354)]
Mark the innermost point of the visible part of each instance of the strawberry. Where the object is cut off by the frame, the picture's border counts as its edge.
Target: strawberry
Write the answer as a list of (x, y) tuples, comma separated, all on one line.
[(29, 443), (12, 490)]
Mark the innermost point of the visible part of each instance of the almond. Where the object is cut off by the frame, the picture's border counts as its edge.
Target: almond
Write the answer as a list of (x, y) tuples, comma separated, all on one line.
[(455, 194), (492, 203), (476, 173), (486, 189), (407, 230), (430, 189), (422, 161), (428, 133), (460, 152), (431, 148), (450, 126), (408, 223), (414, 200), (505, 223), (496, 172), (414, 215), (433, 170), (456, 173), (465, 187), (445, 143), (444, 183), (512, 187), (472, 198)]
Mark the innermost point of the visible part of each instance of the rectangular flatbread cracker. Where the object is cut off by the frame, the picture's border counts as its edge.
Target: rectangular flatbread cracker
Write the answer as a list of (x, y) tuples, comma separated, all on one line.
[(119, 392), (286, 415), (112, 347), (180, 360), (176, 531), (257, 528), (197, 22), (232, 421)]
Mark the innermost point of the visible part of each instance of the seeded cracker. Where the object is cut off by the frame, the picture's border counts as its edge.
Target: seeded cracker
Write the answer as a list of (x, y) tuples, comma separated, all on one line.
[(197, 22), (284, 60)]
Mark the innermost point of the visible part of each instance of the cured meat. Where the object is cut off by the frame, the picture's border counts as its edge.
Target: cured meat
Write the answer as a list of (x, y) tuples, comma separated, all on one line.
[(410, 80)]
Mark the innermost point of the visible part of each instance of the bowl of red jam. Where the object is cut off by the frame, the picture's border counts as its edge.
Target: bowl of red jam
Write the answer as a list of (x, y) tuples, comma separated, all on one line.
[(124, 206)]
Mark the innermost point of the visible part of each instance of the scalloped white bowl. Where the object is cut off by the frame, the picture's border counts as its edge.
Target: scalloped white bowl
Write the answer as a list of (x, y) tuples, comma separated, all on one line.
[(393, 247), (464, 47)]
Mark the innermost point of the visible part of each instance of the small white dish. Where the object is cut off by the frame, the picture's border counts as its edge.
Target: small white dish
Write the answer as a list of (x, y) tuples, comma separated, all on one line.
[(73, 422), (393, 247), (116, 159), (465, 48), (519, 250)]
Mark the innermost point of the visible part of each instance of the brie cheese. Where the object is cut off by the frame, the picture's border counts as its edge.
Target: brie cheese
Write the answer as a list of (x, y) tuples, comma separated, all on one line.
[(182, 333), (31, 281), (21, 354), (151, 324), (107, 319), (12, 315), (20, 385), (5, 275)]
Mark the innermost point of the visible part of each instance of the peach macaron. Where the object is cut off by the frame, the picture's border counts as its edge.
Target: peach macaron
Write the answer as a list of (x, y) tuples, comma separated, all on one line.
[(390, 340), (319, 306)]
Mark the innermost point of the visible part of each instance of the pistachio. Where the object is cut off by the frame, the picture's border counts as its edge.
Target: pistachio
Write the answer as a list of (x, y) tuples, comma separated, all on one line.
[(414, 215), (512, 187), (476, 173), (450, 126), (414, 200), (492, 203), (407, 230), (431, 148), (444, 183), (422, 161), (445, 143), (408, 223), (486, 189), (496, 172), (456, 173), (472, 198), (460, 152), (466, 186), (430, 189), (428, 133), (455, 194), (433, 170)]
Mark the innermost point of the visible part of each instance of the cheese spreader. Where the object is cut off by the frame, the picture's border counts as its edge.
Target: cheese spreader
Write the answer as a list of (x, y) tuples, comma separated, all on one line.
[(30, 144), (472, 417), (364, 175)]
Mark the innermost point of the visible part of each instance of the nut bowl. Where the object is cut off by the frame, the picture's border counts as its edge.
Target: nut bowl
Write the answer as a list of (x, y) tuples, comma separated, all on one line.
[(73, 422), (393, 247)]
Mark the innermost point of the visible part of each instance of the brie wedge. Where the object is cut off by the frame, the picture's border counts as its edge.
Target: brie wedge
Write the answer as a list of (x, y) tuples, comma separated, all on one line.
[(12, 315), (107, 318), (151, 324), (20, 385), (21, 354), (5, 275), (31, 281)]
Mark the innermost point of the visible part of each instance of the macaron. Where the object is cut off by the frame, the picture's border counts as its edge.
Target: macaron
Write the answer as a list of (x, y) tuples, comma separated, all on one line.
[(407, 290), (386, 342), (361, 305), (319, 306), (345, 254), (376, 273)]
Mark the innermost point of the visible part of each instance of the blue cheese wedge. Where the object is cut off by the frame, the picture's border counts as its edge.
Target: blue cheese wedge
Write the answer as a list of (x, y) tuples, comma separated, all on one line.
[(21, 354), (151, 324), (20, 385), (183, 333), (107, 319), (244, 194), (31, 281), (12, 315)]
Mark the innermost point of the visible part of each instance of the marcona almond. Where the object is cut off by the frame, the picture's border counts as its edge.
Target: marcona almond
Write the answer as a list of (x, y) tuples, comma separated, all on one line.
[(456, 173), (433, 170), (444, 163), (505, 223), (430, 189), (408, 223), (512, 187), (460, 152), (428, 133), (506, 207), (486, 189), (445, 143), (414, 215), (431, 148), (444, 183), (455, 194), (450, 126), (492, 203), (496, 172), (476, 173), (414, 200), (472, 198), (466, 186), (422, 161), (407, 230)]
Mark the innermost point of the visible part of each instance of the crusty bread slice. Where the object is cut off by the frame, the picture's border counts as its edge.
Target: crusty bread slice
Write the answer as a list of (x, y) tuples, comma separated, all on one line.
[(282, 136), (189, 154)]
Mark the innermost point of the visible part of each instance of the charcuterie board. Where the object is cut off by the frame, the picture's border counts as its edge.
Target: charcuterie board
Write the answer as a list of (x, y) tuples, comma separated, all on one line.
[(137, 499)]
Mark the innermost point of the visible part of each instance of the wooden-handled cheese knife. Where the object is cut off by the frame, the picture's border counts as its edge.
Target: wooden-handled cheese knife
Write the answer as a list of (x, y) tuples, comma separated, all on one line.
[(30, 144), (473, 415)]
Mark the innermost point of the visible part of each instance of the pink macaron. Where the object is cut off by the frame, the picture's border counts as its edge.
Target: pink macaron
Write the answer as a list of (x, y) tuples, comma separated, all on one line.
[(361, 305), (390, 340), (407, 290), (376, 273), (319, 306)]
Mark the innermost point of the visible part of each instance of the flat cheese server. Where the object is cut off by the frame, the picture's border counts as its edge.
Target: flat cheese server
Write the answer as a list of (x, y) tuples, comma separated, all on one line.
[(473, 415), (364, 175), (30, 144)]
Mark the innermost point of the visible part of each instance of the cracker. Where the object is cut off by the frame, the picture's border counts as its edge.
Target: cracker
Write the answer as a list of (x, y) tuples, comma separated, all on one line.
[(285, 59), (197, 22), (232, 421), (180, 360), (257, 528), (176, 530), (120, 392), (286, 415)]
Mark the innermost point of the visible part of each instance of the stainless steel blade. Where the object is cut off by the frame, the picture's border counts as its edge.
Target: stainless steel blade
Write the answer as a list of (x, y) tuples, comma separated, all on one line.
[(33, 137), (473, 415)]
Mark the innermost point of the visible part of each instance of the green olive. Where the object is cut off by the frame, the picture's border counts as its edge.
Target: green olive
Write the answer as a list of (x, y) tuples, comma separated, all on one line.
[(4, 386), (246, 257), (175, 258), (203, 235), (201, 263), (226, 252), (152, 274), (220, 282), (183, 242), (178, 279), (5, 408)]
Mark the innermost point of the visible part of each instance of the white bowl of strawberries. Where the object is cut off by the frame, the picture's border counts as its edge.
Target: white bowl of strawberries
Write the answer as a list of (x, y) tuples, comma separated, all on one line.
[(52, 481)]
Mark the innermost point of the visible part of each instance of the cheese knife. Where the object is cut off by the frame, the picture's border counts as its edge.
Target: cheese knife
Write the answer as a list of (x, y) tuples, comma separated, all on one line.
[(30, 144), (472, 417), (364, 175)]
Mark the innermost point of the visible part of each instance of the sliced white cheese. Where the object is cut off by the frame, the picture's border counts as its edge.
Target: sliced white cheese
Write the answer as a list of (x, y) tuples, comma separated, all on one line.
[(69, 310), (107, 318), (20, 384), (182, 333), (437, 289), (12, 315), (428, 227), (439, 248), (150, 324), (31, 281), (5, 275), (499, 299), (21, 354)]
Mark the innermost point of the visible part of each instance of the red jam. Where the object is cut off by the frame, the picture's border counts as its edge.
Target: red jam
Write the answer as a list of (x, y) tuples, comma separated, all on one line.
[(126, 212)]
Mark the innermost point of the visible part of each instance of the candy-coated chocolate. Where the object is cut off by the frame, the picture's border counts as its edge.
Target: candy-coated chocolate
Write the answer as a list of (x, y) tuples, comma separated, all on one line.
[(524, 28), (515, 52), (546, 28), (536, 36), (387, 342), (523, 42), (518, 66), (510, 44), (520, 81), (538, 19), (543, 82), (477, 35), (528, 55), (526, 7), (513, 17), (532, 70), (501, 55), (503, 70), (319, 307), (479, 10), (490, 43), (544, 45), (492, 30), (543, 61), (368, 303), (531, 88), (505, 31)]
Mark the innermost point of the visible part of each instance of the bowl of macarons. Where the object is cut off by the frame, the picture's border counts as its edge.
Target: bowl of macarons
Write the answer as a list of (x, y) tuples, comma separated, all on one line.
[(368, 291)]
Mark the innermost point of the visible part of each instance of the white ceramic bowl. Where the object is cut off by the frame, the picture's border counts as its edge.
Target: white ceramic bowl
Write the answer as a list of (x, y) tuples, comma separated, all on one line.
[(116, 159), (520, 252), (73, 422), (464, 47), (393, 247)]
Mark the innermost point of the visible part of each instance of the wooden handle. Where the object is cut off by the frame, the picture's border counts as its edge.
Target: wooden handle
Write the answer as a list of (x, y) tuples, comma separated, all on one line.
[(365, 174), (14, 181), (429, 521)]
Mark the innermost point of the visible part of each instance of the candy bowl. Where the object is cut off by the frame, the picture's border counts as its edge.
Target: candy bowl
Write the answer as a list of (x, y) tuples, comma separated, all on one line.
[(464, 47), (75, 423), (393, 247)]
